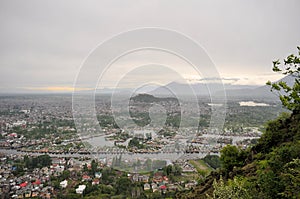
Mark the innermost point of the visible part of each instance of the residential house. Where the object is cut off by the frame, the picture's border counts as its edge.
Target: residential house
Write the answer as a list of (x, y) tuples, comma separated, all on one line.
[(80, 189), (63, 184)]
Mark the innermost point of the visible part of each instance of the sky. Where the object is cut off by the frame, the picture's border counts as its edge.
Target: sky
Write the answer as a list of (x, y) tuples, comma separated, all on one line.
[(44, 43)]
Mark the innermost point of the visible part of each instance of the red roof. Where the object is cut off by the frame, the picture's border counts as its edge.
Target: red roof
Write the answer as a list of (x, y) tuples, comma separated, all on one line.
[(86, 177), (163, 187), (37, 182), (24, 184)]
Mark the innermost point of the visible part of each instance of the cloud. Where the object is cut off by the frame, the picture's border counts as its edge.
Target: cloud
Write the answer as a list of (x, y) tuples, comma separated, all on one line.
[(224, 80), (240, 79), (56, 89), (44, 43), (257, 80)]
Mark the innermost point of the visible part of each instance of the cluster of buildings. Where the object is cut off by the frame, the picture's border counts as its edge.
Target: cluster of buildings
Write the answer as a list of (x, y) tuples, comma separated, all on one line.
[(38, 182)]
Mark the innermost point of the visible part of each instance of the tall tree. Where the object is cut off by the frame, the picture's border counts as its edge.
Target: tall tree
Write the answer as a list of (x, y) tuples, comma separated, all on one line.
[(289, 94)]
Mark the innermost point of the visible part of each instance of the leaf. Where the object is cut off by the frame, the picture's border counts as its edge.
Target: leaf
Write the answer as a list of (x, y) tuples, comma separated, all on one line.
[(275, 86)]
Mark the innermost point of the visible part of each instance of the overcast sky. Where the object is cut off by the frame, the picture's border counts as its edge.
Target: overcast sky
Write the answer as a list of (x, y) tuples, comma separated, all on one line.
[(43, 43)]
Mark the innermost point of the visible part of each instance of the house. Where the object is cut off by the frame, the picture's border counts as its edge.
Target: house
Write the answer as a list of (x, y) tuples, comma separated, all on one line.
[(80, 189), (98, 175), (165, 179), (24, 184), (135, 177), (63, 184), (34, 194), (163, 187), (188, 168), (147, 186), (37, 182), (189, 185), (139, 178), (95, 181), (154, 187), (86, 178), (57, 168), (158, 177), (143, 178)]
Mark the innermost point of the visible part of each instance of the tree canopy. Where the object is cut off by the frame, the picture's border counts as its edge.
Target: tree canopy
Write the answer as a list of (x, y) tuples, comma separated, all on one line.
[(288, 94)]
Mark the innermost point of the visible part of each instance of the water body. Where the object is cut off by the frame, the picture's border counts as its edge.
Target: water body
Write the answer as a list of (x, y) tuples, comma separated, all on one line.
[(100, 141), (252, 103)]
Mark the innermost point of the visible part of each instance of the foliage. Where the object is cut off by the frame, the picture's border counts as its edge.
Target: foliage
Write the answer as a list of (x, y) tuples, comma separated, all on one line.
[(213, 161), (291, 179), (231, 157), (37, 162), (123, 186), (234, 189), (135, 142), (270, 169), (174, 170), (290, 97)]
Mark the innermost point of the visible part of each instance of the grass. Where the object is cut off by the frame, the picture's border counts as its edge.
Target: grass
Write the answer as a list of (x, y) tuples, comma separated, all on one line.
[(201, 167), (186, 177)]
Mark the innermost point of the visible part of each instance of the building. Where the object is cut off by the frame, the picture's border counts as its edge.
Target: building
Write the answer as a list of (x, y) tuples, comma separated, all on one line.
[(63, 184), (80, 189)]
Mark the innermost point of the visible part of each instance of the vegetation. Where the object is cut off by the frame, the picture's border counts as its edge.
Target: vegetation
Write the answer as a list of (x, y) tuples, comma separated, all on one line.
[(233, 189), (37, 162), (30, 163), (271, 168), (289, 95), (213, 161), (135, 142)]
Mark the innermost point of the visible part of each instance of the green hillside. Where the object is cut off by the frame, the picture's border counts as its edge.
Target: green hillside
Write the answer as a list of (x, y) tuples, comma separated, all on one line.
[(271, 168)]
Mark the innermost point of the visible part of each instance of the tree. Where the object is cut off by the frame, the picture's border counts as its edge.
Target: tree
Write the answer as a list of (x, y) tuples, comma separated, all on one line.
[(213, 161), (290, 96), (291, 179), (94, 167), (231, 156), (234, 189), (123, 186), (37, 162)]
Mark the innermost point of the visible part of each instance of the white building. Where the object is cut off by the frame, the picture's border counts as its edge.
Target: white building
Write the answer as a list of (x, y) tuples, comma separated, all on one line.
[(80, 189), (63, 184)]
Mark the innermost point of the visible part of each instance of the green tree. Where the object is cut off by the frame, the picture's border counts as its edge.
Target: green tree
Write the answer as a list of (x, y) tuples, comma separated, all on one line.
[(233, 189), (123, 186), (291, 178), (37, 162), (213, 161), (231, 157), (289, 95), (94, 167)]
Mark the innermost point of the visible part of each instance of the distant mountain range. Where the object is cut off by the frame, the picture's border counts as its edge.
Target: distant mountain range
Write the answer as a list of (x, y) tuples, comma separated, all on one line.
[(259, 92), (201, 89)]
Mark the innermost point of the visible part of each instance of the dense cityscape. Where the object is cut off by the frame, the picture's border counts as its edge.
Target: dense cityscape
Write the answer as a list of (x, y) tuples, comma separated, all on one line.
[(43, 156)]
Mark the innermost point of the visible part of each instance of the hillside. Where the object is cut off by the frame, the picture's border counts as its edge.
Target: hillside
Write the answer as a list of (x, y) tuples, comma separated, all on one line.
[(270, 169)]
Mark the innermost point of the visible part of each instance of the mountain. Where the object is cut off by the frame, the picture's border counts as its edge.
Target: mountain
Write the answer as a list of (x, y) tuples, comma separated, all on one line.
[(150, 98), (201, 89), (259, 92)]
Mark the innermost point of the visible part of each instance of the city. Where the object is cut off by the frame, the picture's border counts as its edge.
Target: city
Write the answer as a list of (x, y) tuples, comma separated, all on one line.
[(41, 126)]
